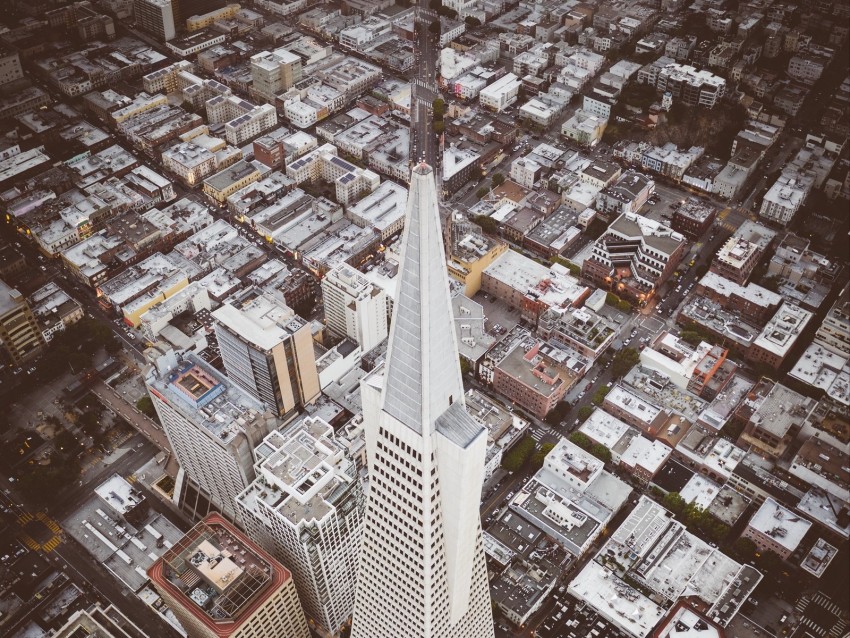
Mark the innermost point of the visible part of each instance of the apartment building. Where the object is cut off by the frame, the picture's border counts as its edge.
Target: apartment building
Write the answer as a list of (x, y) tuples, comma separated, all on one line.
[(354, 307), (156, 17), (273, 73), (213, 427)]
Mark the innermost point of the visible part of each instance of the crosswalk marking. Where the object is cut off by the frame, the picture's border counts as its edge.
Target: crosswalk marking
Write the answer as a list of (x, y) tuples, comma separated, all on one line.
[(24, 518), (31, 543), (537, 435), (52, 544)]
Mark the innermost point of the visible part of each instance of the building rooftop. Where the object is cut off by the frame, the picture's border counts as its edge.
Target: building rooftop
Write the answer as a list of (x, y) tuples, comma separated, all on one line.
[(753, 293), (783, 526), (607, 430), (381, 208), (629, 401), (208, 398), (700, 491), (119, 494), (781, 332), (647, 454), (728, 505), (302, 472), (655, 234), (658, 551), (619, 603), (264, 321), (218, 574), (819, 558), (554, 286)]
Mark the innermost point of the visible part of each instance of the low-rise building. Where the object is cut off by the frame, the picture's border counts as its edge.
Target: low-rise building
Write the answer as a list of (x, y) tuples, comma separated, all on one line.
[(634, 256), (524, 377), (500, 94), (531, 287), (628, 195), (572, 497), (582, 329), (644, 458), (776, 529), (693, 219), (753, 301), (779, 335), (54, 309), (742, 252), (773, 415), (221, 185)]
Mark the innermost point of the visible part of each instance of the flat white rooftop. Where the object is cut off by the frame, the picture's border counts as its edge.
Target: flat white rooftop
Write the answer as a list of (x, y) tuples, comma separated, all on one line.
[(614, 600), (783, 526)]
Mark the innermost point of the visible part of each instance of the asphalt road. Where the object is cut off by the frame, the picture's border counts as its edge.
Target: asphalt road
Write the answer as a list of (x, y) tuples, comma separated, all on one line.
[(423, 146)]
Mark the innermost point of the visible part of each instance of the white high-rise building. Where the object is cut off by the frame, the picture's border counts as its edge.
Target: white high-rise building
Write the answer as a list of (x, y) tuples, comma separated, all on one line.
[(213, 427), (306, 509), (422, 572), (157, 18), (355, 307)]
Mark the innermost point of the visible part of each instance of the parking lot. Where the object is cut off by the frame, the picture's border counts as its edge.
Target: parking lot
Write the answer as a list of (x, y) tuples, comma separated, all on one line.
[(498, 313)]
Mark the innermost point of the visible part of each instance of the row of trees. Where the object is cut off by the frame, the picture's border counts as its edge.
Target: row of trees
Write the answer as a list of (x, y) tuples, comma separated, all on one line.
[(613, 300), (596, 449), (526, 454), (624, 360), (695, 517), (73, 349)]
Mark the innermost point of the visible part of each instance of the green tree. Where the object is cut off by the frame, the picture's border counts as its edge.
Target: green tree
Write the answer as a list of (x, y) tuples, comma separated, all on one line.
[(145, 406), (574, 269), (488, 224), (771, 282), (515, 459), (465, 366), (599, 395), (536, 461), (472, 22), (692, 337), (596, 228), (89, 421), (581, 440), (743, 549), (624, 361), (601, 452), (498, 180), (481, 192), (438, 106), (584, 413), (624, 306), (66, 443), (435, 27), (558, 413), (611, 299), (674, 502)]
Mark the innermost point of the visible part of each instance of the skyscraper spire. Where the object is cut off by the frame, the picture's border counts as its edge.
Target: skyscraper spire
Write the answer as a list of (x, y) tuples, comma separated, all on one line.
[(423, 375), (422, 571)]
